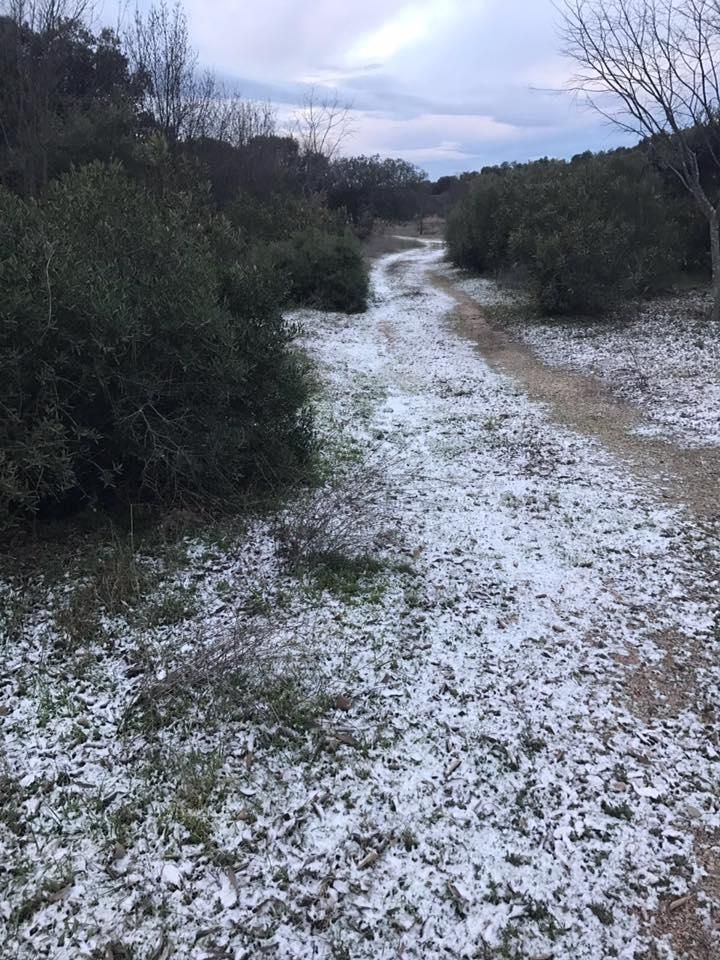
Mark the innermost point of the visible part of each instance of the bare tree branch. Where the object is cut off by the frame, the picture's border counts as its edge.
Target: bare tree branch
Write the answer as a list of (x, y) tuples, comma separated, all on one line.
[(159, 48), (237, 121), (45, 15), (321, 125)]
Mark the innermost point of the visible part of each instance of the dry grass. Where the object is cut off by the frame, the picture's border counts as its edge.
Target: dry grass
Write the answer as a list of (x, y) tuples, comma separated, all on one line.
[(348, 516), (252, 648), (263, 667), (269, 655)]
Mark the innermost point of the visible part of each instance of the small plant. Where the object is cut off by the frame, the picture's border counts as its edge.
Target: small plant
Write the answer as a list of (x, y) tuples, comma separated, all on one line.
[(256, 668), (53, 699), (292, 705), (120, 580), (11, 798), (197, 827), (176, 606), (620, 811), (603, 913), (344, 518), (115, 585), (122, 822), (531, 744), (14, 607), (197, 776), (258, 602), (348, 577), (409, 839), (78, 620)]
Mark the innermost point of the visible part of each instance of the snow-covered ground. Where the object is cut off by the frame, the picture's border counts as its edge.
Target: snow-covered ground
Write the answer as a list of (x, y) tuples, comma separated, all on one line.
[(484, 780), (663, 357)]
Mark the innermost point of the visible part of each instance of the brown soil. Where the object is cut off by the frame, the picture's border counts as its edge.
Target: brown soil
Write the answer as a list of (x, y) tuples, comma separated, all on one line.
[(684, 476)]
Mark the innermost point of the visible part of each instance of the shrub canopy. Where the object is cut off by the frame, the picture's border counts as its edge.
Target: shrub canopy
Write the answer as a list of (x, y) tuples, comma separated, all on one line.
[(323, 270), (582, 233), (142, 352)]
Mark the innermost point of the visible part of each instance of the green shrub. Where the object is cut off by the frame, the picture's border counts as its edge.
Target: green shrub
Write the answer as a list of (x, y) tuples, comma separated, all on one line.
[(581, 233), (315, 261), (478, 229), (323, 271), (458, 236), (576, 268), (140, 356), (280, 215)]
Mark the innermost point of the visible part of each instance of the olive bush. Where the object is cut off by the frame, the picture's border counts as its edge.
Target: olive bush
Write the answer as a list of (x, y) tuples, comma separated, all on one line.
[(143, 353)]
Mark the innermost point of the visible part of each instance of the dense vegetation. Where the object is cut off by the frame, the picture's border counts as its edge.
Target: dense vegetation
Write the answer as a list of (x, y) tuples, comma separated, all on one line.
[(370, 188), (153, 227), (581, 233), (135, 352)]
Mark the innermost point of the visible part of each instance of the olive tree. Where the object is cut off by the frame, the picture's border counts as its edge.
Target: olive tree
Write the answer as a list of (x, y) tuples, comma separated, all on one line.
[(653, 68)]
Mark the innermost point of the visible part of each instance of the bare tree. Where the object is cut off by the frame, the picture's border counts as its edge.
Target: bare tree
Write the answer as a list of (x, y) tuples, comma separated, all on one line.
[(45, 15), (186, 103), (181, 100), (238, 121), (653, 68), (321, 125)]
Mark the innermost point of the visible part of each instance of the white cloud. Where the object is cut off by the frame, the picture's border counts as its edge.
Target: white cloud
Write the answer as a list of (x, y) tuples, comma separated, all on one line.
[(403, 31), (429, 130), (438, 79), (280, 39)]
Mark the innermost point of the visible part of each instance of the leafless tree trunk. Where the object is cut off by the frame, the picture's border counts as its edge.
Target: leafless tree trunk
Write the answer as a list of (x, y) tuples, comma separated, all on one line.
[(653, 68)]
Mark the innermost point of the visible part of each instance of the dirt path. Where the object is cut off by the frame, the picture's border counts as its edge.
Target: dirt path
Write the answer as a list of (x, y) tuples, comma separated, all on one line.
[(521, 446), (685, 476), (688, 478)]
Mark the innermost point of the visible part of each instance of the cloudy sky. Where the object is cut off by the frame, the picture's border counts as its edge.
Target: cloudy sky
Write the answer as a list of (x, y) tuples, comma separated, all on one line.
[(448, 84)]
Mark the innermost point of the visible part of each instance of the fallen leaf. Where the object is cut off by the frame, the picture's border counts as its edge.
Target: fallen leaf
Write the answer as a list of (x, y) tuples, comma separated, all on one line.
[(369, 859), (452, 768), (682, 902)]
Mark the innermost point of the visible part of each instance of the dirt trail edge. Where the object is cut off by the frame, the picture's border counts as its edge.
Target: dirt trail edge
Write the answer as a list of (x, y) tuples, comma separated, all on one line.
[(685, 476)]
